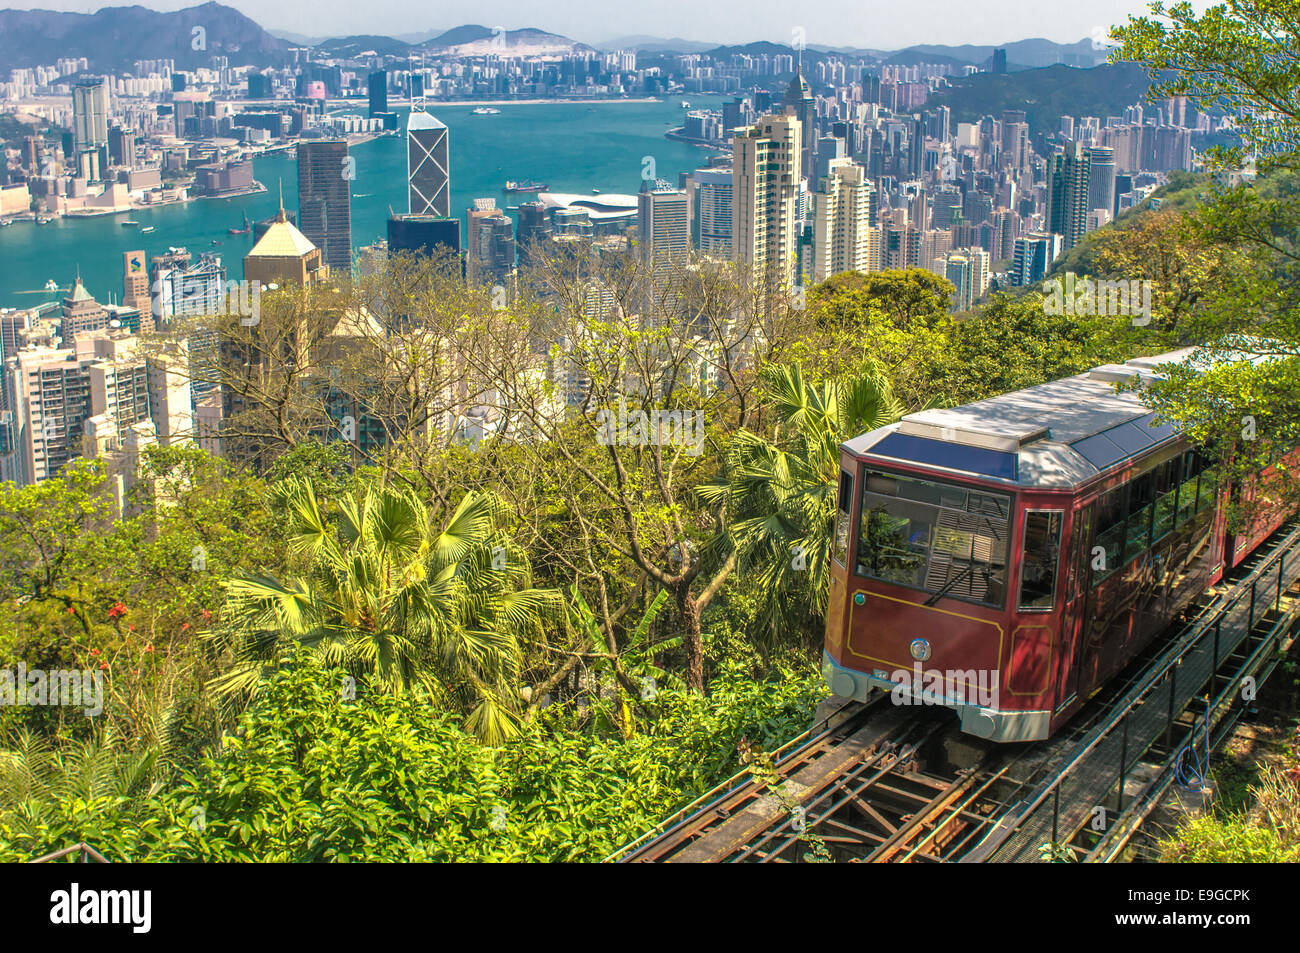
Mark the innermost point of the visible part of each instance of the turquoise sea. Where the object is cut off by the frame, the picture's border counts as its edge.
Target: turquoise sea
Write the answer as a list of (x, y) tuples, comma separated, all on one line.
[(574, 147)]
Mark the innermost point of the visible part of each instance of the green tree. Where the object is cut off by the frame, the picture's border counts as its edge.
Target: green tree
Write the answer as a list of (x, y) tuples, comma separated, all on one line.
[(395, 601), (779, 495)]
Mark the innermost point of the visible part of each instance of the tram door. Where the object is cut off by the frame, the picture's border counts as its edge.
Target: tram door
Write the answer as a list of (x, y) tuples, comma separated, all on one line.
[(1069, 657)]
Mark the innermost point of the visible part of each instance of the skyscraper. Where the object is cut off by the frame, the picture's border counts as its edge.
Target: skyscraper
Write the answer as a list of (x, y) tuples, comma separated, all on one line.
[(765, 183), (534, 230), (423, 234), (710, 192), (800, 104), (1101, 179), (90, 114), (325, 199), (1033, 256), (135, 281), (663, 230), (1067, 193), (377, 84), (428, 165), (842, 232), (489, 244)]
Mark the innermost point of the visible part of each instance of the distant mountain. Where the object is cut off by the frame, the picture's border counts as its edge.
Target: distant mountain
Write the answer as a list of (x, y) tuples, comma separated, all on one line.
[(354, 46), (475, 40), (114, 37), (1021, 54), (1046, 94), (297, 39), (655, 44)]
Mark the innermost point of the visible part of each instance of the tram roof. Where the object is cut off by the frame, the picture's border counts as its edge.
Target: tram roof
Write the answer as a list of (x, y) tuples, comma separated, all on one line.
[(1056, 435)]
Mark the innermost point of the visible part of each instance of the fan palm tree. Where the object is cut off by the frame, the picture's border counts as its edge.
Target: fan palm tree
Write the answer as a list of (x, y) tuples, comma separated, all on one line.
[(392, 600), (778, 495)]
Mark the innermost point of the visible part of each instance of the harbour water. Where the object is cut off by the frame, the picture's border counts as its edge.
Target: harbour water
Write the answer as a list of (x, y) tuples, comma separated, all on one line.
[(573, 147)]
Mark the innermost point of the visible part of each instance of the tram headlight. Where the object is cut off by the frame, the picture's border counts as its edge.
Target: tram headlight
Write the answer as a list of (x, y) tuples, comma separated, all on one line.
[(920, 649)]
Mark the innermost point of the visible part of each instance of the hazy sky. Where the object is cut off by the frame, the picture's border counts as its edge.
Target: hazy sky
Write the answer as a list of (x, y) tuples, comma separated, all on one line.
[(880, 24)]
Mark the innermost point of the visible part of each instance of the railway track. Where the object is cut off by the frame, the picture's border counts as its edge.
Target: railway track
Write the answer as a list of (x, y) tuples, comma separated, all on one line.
[(879, 783)]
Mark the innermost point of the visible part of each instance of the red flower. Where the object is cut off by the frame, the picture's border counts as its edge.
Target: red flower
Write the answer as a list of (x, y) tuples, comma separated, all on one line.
[(130, 628), (103, 665), (117, 611), (149, 647), (71, 610), (207, 614), (94, 651), (185, 626)]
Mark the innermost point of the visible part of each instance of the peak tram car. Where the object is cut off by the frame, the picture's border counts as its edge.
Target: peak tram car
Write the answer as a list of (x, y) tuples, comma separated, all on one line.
[(1028, 545)]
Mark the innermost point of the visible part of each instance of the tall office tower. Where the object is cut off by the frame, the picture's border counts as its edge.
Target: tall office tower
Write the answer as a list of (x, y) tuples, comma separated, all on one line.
[(81, 314), (428, 165), (489, 244), (135, 281), (534, 231), (1067, 127), (429, 235), (377, 83), (999, 61), (1101, 179), (1033, 256), (1067, 193), (800, 104), (842, 221), (181, 289), (663, 225), (325, 199), (90, 114), (900, 246), (765, 183), (710, 191), (915, 147), (827, 149), (1015, 154)]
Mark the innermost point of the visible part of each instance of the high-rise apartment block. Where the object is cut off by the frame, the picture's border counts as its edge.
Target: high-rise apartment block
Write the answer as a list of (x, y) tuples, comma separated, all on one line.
[(843, 239), (766, 181)]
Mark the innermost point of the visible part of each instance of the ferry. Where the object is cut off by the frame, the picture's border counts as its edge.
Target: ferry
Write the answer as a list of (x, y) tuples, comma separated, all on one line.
[(686, 104), (486, 111), (130, 223), (528, 185), (146, 230)]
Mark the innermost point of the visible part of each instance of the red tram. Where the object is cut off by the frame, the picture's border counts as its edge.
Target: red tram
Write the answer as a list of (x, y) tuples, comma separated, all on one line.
[(1008, 557)]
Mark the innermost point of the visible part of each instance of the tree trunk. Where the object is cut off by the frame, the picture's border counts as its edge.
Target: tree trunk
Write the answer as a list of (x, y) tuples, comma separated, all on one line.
[(692, 639)]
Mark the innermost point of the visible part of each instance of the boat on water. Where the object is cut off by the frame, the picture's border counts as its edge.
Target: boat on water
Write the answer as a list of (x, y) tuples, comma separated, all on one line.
[(241, 231), (686, 104), (45, 221), (146, 229), (528, 185), (130, 223), (486, 111), (51, 285)]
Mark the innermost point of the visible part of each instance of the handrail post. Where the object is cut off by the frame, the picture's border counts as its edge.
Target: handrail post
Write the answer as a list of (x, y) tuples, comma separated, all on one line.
[(1214, 669), (1173, 680), (1277, 601)]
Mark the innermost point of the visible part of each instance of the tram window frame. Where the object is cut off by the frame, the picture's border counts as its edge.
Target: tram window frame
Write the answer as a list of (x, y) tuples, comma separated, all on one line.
[(844, 518), (1116, 499), (1051, 560), (1141, 512), (911, 567), (1187, 501), (1166, 492)]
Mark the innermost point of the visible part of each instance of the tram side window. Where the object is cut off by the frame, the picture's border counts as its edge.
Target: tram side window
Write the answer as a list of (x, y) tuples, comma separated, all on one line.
[(1166, 490), (1041, 556), (1187, 488), (1209, 486), (842, 515), (1112, 511), (1141, 503)]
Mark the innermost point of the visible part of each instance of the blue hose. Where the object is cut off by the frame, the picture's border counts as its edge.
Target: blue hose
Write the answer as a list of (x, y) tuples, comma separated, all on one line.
[(1192, 776)]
